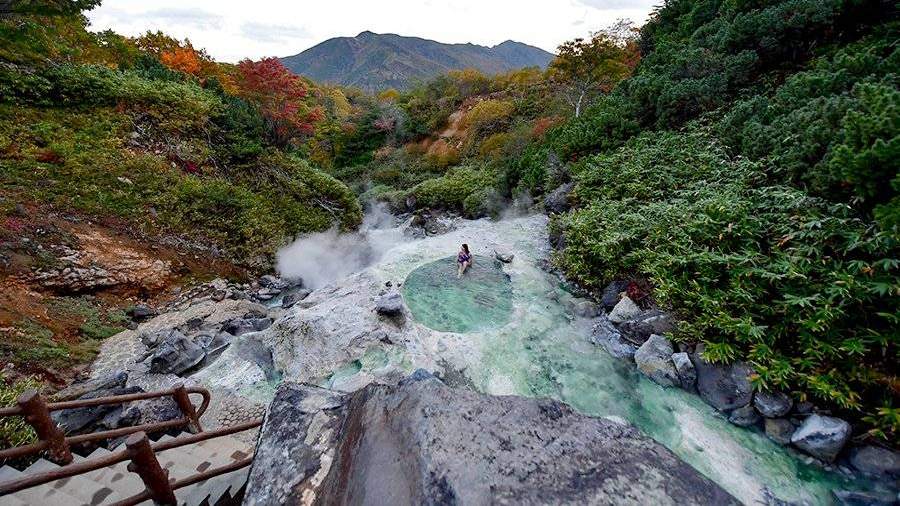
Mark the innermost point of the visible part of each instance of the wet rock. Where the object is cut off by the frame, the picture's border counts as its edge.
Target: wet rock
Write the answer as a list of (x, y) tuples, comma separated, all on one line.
[(876, 461), (241, 326), (624, 310), (612, 294), (586, 309), (779, 430), (504, 257), (266, 294), (103, 382), (423, 442), (270, 281), (557, 238), (822, 437), (858, 498), (773, 404), (558, 200), (687, 374), (744, 417), (654, 360), (804, 408), (647, 323), (174, 353), (605, 334), (389, 305), (724, 387)]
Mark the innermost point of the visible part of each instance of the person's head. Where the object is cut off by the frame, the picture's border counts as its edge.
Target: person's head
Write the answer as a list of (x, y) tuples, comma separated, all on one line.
[(465, 248)]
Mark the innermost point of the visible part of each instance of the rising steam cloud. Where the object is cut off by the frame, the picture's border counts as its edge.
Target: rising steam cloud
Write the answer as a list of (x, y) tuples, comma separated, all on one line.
[(325, 257)]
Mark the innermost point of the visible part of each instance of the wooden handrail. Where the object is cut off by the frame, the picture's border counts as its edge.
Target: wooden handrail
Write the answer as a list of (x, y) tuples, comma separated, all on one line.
[(36, 411), (93, 464)]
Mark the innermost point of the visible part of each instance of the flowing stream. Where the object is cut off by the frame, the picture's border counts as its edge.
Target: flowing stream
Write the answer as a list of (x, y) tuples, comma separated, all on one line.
[(509, 330)]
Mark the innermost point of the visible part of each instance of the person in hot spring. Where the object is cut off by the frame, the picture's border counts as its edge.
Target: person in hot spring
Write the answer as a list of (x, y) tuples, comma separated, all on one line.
[(463, 260)]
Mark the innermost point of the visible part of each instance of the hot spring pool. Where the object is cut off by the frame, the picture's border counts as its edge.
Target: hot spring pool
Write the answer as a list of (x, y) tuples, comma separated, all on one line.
[(480, 300)]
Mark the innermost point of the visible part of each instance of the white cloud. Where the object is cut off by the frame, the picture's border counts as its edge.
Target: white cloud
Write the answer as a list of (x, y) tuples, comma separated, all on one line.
[(231, 30)]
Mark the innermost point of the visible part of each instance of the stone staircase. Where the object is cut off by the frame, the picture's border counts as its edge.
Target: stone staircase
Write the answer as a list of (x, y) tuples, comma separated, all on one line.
[(115, 483)]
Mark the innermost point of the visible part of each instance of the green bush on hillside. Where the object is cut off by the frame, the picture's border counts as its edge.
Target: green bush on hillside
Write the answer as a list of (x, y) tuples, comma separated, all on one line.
[(756, 270), (451, 190)]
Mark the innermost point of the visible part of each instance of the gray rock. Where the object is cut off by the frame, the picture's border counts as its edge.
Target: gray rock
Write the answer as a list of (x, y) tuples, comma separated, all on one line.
[(294, 297), (685, 369), (744, 417), (175, 353), (390, 304), (103, 382), (724, 387), (773, 404), (822, 437), (612, 293), (587, 309), (504, 257), (558, 200), (270, 281), (626, 309), (638, 329), (86, 420), (779, 430), (141, 312), (241, 326), (605, 334), (876, 461), (423, 442), (654, 360), (858, 498)]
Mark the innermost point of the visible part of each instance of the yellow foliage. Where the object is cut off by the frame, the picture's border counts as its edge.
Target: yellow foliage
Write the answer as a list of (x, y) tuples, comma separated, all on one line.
[(487, 113), (493, 146), (389, 95)]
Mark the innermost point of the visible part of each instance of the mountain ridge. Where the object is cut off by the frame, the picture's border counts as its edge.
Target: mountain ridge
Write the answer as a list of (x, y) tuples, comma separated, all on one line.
[(374, 62)]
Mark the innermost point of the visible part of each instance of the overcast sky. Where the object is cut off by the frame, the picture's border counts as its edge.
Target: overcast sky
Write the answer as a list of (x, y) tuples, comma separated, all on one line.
[(231, 30)]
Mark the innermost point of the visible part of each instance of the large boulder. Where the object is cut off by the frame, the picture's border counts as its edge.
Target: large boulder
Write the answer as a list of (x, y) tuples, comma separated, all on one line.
[(876, 461), (422, 442), (174, 353), (773, 404), (241, 326), (654, 360), (822, 437), (724, 387), (744, 417), (586, 309), (89, 419), (624, 310), (103, 382), (605, 334), (859, 498)]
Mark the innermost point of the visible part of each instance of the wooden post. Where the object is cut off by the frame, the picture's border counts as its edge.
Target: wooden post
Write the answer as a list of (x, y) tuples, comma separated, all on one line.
[(187, 408), (145, 464), (38, 416)]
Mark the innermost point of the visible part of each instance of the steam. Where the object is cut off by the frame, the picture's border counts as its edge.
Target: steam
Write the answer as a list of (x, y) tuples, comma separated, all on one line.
[(325, 257)]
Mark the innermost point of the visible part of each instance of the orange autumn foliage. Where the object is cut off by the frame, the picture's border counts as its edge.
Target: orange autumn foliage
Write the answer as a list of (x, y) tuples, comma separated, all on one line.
[(183, 59)]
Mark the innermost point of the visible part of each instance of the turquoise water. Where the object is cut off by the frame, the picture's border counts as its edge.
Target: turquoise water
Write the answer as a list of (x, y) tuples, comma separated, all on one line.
[(481, 299)]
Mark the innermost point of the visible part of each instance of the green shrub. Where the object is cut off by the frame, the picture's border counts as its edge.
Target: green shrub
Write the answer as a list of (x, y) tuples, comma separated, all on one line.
[(14, 431), (804, 289), (451, 190)]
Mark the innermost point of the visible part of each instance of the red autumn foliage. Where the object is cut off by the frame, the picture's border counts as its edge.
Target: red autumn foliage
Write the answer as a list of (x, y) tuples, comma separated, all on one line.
[(14, 224), (48, 156), (280, 96)]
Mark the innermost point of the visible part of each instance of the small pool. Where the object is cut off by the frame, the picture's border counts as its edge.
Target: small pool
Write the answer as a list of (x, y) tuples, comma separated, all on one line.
[(480, 300)]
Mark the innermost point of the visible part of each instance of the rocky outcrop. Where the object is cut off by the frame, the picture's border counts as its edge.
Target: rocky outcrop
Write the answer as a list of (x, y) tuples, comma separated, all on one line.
[(172, 352), (612, 293), (654, 360), (558, 201), (779, 430), (422, 442), (744, 416), (645, 324), (822, 437), (505, 258)]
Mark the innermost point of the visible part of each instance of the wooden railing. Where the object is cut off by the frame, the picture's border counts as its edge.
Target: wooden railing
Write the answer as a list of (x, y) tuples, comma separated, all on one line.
[(138, 449)]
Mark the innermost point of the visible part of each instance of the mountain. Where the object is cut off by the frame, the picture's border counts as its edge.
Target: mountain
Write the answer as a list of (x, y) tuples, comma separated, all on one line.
[(375, 62)]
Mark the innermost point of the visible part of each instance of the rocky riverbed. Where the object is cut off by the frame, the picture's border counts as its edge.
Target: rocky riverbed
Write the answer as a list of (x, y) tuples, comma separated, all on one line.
[(530, 337)]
